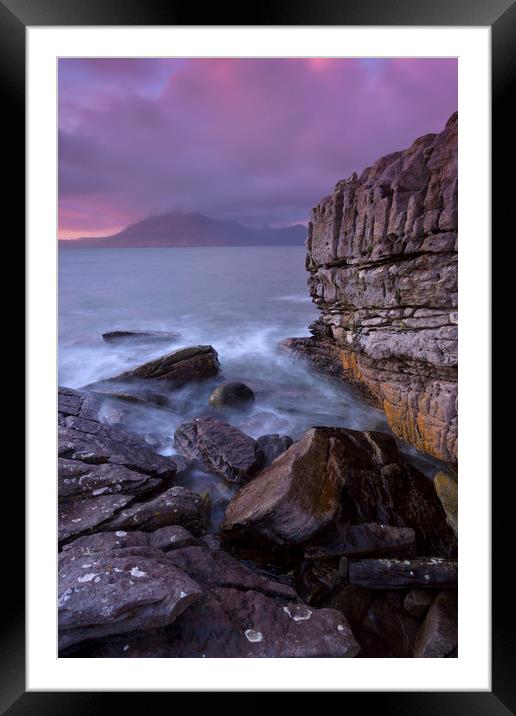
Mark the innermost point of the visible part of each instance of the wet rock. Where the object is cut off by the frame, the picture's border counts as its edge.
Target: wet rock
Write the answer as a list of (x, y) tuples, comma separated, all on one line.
[(387, 630), (139, 336), (231, 395), (437, 636), (178, 367), (302, 491), (82, 515), (362, 540), (83, 437), (273, 446), (119, 591), (316, 581), (216, 568), (417, 601), (352, 601), (430, 573), (175, 506), (171, 537), (293, 498), (220, 448), (81, 478), (164, 538), (447, 489)]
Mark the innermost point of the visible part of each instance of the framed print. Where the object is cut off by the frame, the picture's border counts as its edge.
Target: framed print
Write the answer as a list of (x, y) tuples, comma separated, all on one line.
[(258, 353)]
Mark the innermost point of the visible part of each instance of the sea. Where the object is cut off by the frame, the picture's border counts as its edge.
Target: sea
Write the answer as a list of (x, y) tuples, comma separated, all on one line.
[(241, 300)]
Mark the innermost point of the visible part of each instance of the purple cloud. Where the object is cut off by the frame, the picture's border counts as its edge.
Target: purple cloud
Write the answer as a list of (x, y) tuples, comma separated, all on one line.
[(256, 140)]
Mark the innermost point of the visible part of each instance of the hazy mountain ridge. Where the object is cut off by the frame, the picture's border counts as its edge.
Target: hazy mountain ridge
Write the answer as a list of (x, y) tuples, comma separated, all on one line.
[(178, 229)]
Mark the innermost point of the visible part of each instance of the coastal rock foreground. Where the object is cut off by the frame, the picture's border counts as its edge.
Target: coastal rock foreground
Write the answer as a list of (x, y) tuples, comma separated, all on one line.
[(382, 258), (220, 448), (332, 473), (178, 367), (139, 336), (196, 602), (348, 551)]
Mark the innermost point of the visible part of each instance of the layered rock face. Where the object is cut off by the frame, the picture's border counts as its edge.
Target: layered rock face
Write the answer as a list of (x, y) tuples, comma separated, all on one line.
[(382, 257)]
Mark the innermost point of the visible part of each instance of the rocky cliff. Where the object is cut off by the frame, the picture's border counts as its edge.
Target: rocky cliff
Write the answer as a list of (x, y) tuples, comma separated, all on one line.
[(382, 258)]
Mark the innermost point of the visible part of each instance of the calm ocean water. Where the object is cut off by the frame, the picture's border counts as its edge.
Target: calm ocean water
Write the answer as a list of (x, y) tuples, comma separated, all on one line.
[(243, 301)]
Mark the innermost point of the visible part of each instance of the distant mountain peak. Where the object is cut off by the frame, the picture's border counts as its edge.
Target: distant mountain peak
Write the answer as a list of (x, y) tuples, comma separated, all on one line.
[(176, 228)]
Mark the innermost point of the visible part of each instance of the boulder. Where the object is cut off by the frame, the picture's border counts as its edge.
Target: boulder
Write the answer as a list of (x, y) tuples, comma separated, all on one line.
[(292, 499), (123, 590), (176, 506), (437, 636), (81, 478), (77, 516), (447, 491), (178, 367), (220, 448), (352, 601), (428, 573), (273, 446), (231, 395)]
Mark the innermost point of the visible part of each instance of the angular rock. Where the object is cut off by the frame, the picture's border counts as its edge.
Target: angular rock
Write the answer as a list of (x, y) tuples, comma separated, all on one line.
[(231, 395), (362, 540), (175, 506), (429, 573), (119, 591), (447, 491), (139, 336), (220, 447), (301, 492), (417, 602), (83, 515), (178, 367), (437, 636), (382, 263), (273, 446), (293, 498), (387, 630), (81, 478), (164, 538)]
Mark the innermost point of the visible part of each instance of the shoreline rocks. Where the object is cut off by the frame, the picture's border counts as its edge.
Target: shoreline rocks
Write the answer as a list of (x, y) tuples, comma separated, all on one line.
[(178, 367), (231, 395), (139, 336), (220, 448)]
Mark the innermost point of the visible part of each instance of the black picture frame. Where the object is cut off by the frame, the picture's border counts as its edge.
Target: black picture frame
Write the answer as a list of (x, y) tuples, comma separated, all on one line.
[(500, 15)]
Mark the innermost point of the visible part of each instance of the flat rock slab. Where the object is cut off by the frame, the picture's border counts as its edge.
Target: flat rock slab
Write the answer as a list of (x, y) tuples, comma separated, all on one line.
[(176, 506), (437, 636), (164, 538), (369, 539), (81, 478), (220, 447), (434, 573), (139, 336), (119, 591), (180, 366), (292, 499), (86, 514)]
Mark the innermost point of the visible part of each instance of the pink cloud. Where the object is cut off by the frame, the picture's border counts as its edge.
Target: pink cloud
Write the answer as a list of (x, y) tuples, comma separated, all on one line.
[(258, 140)]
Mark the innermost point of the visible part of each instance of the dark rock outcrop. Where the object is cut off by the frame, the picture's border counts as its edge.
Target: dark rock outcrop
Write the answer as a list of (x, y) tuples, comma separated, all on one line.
[(139, 336), (362, 540), (178, 367), (220, 447), (447, 491), (382, 258), (433, 573), (332, 471), (231, 395), (417, 602), (387, 630)]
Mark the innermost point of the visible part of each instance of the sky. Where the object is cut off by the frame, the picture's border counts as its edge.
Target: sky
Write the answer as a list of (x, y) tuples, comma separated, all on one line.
[(259, 141)]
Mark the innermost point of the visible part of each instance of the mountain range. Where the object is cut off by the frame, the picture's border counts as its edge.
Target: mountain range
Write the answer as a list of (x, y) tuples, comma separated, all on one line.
[(180, 229)]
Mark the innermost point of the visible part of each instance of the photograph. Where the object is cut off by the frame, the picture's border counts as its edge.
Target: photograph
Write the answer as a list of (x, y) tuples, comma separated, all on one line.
[(257, 302)]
